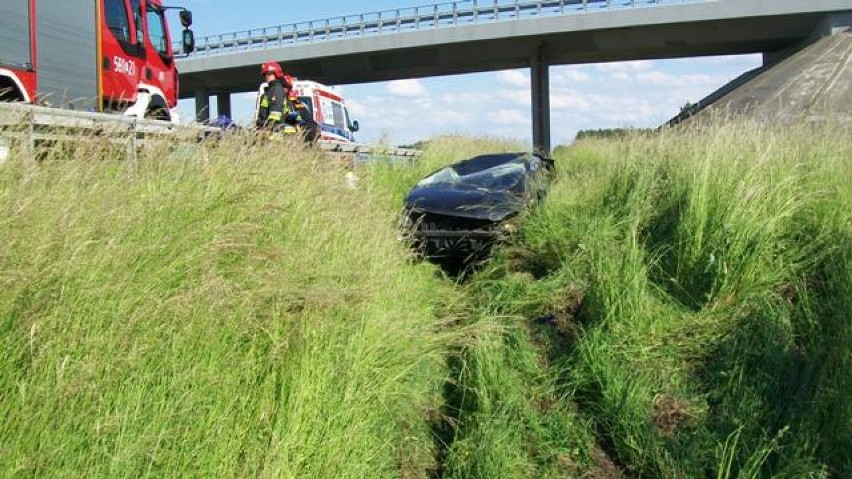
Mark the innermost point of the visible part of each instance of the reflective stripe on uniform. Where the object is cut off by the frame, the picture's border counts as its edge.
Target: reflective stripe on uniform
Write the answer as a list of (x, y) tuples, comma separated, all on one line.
[(275, 116)]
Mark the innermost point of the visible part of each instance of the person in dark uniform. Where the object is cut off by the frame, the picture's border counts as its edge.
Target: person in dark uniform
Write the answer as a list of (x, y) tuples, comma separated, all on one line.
[(273, 106)]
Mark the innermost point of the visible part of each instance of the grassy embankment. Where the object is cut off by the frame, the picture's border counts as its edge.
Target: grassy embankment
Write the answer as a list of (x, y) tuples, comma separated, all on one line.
[(679, 307), (237, 314)]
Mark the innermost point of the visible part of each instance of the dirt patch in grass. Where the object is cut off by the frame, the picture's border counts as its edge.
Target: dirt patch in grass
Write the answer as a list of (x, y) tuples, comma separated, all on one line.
[(605, 467), (564, 317), (670, 414)]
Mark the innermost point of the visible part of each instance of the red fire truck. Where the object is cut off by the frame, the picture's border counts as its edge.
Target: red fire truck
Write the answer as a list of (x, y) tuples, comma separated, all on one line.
[(91, 55)]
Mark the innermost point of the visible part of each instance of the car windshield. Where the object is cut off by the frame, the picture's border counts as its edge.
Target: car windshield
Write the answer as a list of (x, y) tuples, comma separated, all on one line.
[(501, 176)]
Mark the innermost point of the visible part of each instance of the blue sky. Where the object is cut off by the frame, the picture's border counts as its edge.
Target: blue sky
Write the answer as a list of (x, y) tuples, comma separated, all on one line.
[(638, 94)]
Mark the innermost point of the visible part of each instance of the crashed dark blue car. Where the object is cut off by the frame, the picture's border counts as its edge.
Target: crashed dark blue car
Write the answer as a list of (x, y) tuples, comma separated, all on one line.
[(460, 211)]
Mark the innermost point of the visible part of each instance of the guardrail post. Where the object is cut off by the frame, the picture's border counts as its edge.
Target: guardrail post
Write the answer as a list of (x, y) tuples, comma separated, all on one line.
[(28, 141), (132, 143)]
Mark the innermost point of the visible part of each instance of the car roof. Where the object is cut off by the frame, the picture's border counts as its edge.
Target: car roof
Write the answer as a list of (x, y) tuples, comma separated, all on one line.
[(484, 162)]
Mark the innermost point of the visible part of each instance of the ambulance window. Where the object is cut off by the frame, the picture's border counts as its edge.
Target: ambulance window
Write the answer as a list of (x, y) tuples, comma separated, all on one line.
[(308, 102), (339, 118), (116, 17), (156, 31), (327, 111), (136, 8)]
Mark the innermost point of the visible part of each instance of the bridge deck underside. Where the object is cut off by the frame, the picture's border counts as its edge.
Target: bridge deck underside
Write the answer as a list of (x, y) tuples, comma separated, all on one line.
[(446, 55)]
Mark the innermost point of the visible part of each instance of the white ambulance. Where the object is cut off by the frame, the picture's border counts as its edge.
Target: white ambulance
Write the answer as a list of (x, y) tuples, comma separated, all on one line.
[(328, 110)]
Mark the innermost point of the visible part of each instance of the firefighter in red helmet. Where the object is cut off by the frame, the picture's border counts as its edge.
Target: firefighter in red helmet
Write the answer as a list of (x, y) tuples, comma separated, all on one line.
[(273, 106)]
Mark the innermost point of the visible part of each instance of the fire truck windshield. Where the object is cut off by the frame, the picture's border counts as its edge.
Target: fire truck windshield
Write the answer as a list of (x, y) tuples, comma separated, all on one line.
[(157, 30)]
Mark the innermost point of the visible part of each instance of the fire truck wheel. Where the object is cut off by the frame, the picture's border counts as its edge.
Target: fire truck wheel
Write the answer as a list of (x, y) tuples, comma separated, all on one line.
[(157, 113), (157, 109)]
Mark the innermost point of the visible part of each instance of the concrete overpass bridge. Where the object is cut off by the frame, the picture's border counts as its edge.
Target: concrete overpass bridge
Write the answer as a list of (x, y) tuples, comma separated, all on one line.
[(487, 35)]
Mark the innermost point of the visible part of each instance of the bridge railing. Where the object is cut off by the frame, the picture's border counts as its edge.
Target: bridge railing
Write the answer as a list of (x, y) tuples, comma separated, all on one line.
[(400, 20)]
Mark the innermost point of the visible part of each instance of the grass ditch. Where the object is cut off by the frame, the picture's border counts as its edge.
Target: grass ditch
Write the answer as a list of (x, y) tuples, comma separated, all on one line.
[(677, 307), (693, 289)]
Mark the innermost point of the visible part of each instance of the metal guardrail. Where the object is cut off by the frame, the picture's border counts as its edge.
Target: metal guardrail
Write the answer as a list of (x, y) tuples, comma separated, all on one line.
[(31, 124), (362, 154), (438, 15), (17, 114)]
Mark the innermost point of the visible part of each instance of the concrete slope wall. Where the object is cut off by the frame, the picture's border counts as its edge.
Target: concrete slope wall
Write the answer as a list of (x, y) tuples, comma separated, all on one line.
[(812, 84)]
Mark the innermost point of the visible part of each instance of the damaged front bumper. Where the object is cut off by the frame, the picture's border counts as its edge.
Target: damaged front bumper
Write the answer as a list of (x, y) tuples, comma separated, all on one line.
[(443, 236)]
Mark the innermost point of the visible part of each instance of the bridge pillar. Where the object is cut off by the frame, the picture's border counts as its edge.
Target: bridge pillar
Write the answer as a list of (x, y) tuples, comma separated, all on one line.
[(202, 106), (540, 74), (223, 104)]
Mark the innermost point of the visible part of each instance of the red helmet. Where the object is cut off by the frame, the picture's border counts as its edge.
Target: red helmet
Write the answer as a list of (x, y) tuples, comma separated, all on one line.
[(272, 67)]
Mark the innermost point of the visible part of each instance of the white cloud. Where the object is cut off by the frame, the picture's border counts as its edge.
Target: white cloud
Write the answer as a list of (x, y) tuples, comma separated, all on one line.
[(625, 67), (561, 99), (658, 78), (356, 108), (406, 88), (519, 96), (514, 78), (510, 118), (568, 76)]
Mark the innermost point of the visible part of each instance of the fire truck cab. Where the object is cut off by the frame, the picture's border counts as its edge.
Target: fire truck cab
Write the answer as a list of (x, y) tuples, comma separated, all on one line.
[(91, 55)]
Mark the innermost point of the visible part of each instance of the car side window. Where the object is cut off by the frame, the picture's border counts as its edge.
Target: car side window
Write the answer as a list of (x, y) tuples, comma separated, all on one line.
[(117, 20)]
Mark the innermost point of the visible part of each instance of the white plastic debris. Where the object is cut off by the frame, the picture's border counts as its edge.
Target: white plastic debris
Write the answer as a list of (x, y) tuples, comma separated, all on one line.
[(4, 152), (351, 180)]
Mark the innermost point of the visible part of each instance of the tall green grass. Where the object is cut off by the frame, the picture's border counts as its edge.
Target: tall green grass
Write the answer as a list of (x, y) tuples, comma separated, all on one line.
[(214, 311), (677, 307), (713, 337)]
